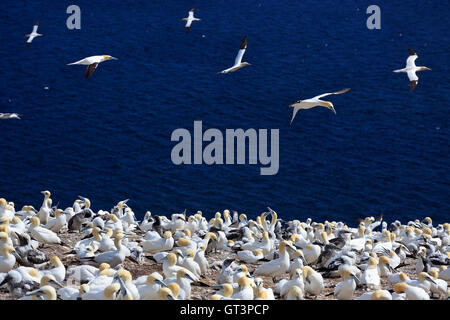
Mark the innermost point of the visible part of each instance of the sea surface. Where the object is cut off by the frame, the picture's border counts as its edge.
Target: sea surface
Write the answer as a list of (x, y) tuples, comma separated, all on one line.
[(108, 137)]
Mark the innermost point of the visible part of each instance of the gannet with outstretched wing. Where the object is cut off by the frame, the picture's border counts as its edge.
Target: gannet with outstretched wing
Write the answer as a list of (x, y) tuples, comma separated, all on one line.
[(92, 63), (33, 34), (189, 20), (238, 62), (10, 116), (411, 69), (315, 102)]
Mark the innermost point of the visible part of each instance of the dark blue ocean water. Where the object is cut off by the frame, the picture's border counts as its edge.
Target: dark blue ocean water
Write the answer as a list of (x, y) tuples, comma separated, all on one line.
[(108, 137)]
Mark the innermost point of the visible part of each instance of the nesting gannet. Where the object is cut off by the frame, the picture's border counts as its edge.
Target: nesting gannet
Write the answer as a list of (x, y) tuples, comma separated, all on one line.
[(149, 289), (376, 295), (245, 291), (158, 245), (189, 19), (238, 61), (33, 34), (92, 63), (261, 292), (276, 267), (295, 293), (10, 116), (126, 280), (297, 280), (17, 285), (42, 235), (183, 279), (57, 269), (190, 264), (113, 258), (7, 259), (439, 286), (344, 290), (108, 293), (315, 102), (44, 293), (313, 281), (250, 256), (411, 69), (411, 292)]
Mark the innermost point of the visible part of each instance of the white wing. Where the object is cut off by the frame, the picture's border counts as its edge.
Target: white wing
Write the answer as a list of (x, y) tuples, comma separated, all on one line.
[(330, 93), (241, 51), (35, 27), (410, 62)]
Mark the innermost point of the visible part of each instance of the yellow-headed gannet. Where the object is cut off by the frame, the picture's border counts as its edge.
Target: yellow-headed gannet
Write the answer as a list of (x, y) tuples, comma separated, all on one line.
[(411, 69), (33, 34), (92, 63), (10, 116), (238, 62), (189, 19), (315, 102)]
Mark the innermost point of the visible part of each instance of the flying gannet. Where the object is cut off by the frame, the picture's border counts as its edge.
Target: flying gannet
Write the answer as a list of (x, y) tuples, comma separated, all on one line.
[(92, 63), (238, 62), (411, 69), (33, 34), (314, 102), (10, 116), (189, 20)]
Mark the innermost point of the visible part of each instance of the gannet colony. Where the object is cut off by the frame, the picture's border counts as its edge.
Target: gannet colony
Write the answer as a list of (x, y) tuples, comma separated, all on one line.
[(76, 253)]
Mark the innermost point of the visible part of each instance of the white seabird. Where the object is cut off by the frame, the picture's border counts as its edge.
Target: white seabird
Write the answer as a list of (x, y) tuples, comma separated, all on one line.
[(315, 102), (411, 69), (10, 116), (33, 34), (238, 62), (189, 20), (92, 63)]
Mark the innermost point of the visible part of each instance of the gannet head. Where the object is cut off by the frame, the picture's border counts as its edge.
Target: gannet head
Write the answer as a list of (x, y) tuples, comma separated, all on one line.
[(400, 287), (167, 234), (423, 276), (379, 295), (7, 249), (175, 288), (125, 275), (111, 290), (108, 57), (165, 294), (55, 261), (3, 203), (243, 282), (35, 221), (172, 258), (49, 279), (46, 193), (3, 237)]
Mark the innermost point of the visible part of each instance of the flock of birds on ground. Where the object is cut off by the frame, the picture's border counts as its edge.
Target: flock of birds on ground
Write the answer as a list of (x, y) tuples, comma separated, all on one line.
[(296, 255), (92, 63)]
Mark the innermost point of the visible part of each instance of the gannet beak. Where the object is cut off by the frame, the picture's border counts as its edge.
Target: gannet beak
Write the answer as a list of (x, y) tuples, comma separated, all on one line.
[(354, 277), (170, 297), (188, 276), (162, 284), (113, 58), (57, 283), (332, 109), (430, 280)]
